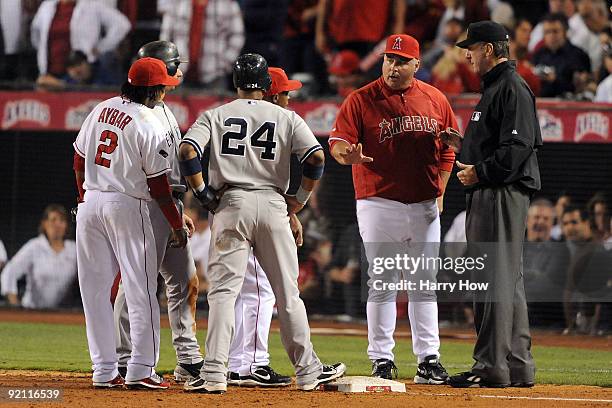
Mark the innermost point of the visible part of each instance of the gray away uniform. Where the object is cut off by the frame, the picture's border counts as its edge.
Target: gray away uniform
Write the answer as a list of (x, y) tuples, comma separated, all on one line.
[(251, 142)]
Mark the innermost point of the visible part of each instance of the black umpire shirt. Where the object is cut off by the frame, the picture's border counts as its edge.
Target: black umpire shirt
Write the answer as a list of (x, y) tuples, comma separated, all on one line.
[(503, 135)]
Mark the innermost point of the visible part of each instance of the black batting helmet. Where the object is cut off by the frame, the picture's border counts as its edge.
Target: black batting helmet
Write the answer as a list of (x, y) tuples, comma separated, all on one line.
[(251, 72), (162, 50)]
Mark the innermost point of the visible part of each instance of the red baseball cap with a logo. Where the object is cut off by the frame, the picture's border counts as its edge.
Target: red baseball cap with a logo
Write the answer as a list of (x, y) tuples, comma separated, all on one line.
[(150, 72), (280, 82), (345, 62), (403, 45)]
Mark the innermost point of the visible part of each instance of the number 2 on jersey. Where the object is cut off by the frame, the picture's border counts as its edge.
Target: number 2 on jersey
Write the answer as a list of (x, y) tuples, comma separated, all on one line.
[(106, 148), (267, 144)]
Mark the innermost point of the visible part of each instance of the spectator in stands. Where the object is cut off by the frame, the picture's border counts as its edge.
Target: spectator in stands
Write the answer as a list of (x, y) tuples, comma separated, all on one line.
[(17, 58), (563, 201), (453, 29), (577, 232), (80, 72), (604, 89), (422, 19), (519, 40), (48, 263), (586, 25), (211, 34), (345, 270), (565, 7), (346, 75), (467, 10), (558, 61), (544, 266), (60, 26), (264, 23), (599, 217), (453, 75), (357, 25), (589, 273), (299, 53)]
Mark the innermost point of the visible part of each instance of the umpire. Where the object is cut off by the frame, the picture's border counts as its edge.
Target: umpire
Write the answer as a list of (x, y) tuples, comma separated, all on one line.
[(499, 170)]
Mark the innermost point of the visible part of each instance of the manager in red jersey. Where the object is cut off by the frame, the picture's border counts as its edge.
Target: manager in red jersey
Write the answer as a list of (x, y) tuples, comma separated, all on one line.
[(388, 131)]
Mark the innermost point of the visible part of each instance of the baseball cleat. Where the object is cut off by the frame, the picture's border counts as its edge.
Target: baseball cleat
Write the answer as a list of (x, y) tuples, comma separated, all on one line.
[(384, 368), (187, 372), (431, 371), (468, 379), (264, 376), (118, 381), (330, 373), (202, 386), (154, 382), (233, 378)]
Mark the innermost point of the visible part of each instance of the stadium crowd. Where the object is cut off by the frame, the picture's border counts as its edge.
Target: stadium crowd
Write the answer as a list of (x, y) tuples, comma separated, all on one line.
[(563, 47)]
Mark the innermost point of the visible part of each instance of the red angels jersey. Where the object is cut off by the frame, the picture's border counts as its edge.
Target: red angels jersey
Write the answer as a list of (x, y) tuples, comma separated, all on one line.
[(123, 144), (398, 129)]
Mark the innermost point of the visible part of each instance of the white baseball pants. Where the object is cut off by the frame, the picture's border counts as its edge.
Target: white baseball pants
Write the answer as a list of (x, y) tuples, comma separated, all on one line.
[(254, 309), (387, 221), (114, 232)]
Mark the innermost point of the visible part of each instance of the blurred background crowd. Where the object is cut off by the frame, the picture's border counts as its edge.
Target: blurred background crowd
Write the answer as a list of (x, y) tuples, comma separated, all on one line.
[(563, 49)]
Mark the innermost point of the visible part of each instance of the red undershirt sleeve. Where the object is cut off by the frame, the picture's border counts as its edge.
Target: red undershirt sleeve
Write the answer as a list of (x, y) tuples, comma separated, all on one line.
[(160, 191)]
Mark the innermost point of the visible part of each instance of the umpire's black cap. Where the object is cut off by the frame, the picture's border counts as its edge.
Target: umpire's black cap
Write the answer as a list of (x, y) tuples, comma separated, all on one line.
[(484, 31)]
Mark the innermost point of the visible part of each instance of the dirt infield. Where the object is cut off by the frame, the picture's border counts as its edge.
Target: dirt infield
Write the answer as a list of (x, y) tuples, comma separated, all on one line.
[(77, 392), (541, 338)]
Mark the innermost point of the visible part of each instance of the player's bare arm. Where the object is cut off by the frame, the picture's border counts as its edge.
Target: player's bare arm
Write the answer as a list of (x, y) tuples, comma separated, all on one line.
[(444, 177), (348, 154), (313, 170), (296, 229), (191, 169)]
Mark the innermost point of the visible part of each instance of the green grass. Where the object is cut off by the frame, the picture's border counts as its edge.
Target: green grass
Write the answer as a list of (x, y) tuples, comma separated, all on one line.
[(64, 348)]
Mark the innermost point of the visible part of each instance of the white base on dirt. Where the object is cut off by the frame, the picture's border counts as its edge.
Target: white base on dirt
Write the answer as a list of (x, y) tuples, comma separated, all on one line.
[(363, 384)]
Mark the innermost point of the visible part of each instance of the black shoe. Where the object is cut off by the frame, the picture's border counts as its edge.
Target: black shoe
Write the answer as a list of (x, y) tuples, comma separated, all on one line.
[(430, 371), (468, 379), (233, 378), (122, 371), (330, 373), (187, 372), (526, 384), (264, 376), (383, 368)]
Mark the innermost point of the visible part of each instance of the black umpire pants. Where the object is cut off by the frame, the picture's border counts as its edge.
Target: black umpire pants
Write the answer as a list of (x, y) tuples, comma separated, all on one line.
[(502, 352)]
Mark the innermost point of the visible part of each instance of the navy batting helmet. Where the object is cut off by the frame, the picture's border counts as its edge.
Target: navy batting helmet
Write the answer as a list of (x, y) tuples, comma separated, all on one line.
[(162, 50), (251, 72)]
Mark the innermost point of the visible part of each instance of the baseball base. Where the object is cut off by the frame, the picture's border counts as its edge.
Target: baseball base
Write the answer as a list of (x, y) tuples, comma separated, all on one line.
[(363, 384)]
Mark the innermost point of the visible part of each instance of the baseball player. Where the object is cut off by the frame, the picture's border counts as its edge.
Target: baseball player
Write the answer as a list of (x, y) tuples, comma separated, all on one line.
[(120, 164), (176, 265), (251, 142), (388, 131), (249, 360)]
